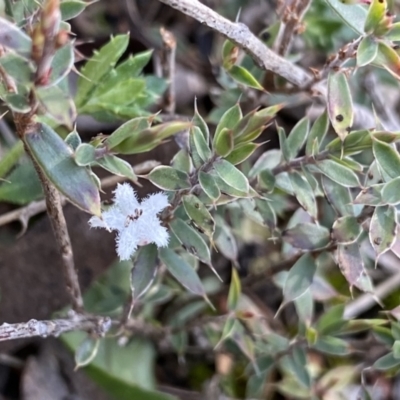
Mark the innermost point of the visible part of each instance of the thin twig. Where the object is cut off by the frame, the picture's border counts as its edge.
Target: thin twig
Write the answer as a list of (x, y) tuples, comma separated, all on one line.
[(96, 325), (168, 61), (291, 25), (240, 34), (24, 214), (60, 230)]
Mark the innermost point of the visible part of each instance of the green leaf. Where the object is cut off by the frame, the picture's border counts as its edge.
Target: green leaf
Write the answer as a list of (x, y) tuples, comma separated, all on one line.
[(394, 32), (168, 178), (182, 272), (283, 144), (305, 307), (371, 196), (230, 118), (223, 142), (17, 67), (297, 137), (117, 166), (267, 212), (144, 270), (267, 180), (367, 51), (202, 146), (207, 183), (352, 266), (98, 67), (391, 192), (383, 229), (125, 372), (299, 278), (386, 362), (304, 193), (10, 158), (241, 153), (127, 131), (244, 77), (14, 38), (235, 290), (340, 104), (182, 161), (57, 103), (332, 345), (317, 132), (338, 196), (225, 240), (231, 175), (73, 140), (331, 320), (388, 59), (307, 236), (376, 13), (339, 173), (133, 65), (71, 9), (387, 157), (396, 349), (199, 214), (86, 352), (346, 230), (353, 15), (22, 186), (200, 123), (62, 63), (191, 240), (85, 154), (54, 157)]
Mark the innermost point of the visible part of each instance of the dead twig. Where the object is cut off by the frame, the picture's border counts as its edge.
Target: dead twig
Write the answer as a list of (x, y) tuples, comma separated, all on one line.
[(240, 34), (168, 63), (77, 322)]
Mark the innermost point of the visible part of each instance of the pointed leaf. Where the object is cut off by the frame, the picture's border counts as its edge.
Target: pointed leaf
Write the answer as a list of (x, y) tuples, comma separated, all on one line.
[(223, 142), (54, 156), (144, 270), (235, 290), (98, 66), (367, 51), (340, 104), (299, 277), (14, 38), (182, 271), (231, 175), (191, 240), (117, 166), (339, 173), (307, 236), (338, 196), (86, 352), (230, 118), (346, 230), (168, 178), (390, 193), (383, 229), (318, 131), (297, 137), (241, 153), (208, 184), (387, 158), (71, 9), (304, 193), (202, 147), (352, 266), (245, 77), (199, 214)]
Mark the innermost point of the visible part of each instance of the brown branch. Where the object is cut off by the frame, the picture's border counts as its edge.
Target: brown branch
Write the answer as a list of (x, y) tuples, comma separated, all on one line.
[(77, 322), (240, 34), (60, 230), (291, 25), (168, 61)]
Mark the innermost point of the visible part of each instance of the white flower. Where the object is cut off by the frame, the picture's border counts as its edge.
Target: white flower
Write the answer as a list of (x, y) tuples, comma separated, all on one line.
[(137, 223)]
